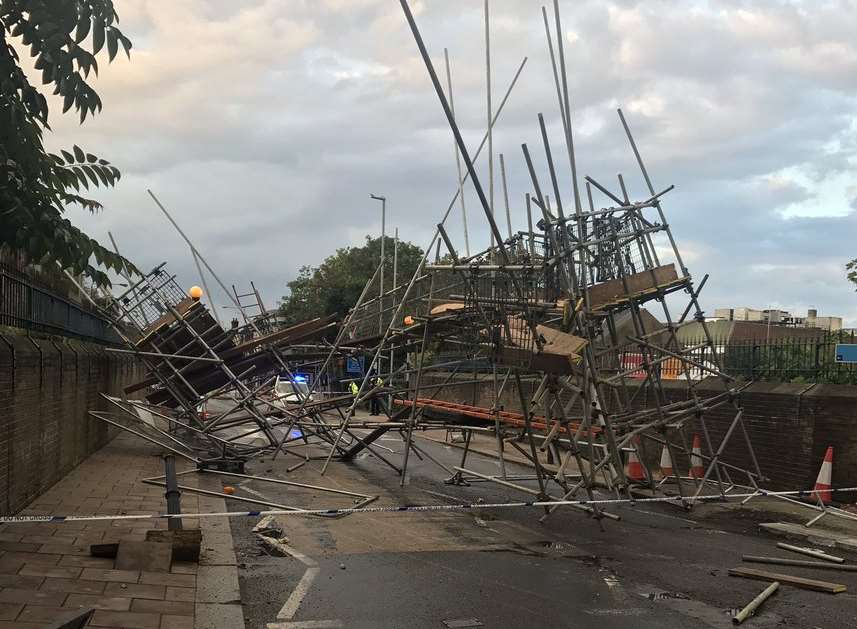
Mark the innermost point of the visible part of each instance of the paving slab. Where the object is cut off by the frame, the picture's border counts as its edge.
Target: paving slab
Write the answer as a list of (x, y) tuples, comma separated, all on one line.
[(136, 590), (18, 581), (130, 620), (216, 549), (31, 597), (10, 611), (217, 584), (218, 616), (148, 556), (812, 534), (111, 603), (176, 622), (44, 615), (173, 608), (72, 586), (180, 594)]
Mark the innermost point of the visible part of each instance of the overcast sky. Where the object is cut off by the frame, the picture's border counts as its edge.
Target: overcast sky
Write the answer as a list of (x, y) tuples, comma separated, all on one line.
[(264, 125)]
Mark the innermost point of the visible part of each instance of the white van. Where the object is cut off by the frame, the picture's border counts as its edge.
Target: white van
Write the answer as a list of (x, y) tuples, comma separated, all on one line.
[(288, 391)]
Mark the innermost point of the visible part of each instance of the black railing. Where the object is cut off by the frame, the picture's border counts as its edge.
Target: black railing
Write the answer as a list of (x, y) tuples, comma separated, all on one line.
[(799, 360), (25, 304), (810, 360)]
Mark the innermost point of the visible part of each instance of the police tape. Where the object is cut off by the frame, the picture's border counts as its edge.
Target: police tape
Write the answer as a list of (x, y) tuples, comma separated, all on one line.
[(473, 506)]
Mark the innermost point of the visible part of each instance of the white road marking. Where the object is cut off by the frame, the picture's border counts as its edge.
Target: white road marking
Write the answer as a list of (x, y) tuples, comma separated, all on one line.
[(290, 608), (442, 495), (297, 596), (664, 515), (253, 491), (306, 624)]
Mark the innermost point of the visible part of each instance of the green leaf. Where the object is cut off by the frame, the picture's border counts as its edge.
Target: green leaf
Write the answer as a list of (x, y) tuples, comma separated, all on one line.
[(126, 44), (112, 43), (41, 185), (48, 75), (81, 177), (102, 175), (68, 101), (91, 173), (83, 25), (97, 36)]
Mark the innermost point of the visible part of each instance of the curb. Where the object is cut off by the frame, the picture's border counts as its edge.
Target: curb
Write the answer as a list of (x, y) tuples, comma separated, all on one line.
[(218, 595), (820, 537)]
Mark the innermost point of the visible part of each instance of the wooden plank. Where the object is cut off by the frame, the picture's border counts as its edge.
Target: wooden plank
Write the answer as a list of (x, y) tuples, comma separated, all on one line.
[(613, 291), (234, 355), (286, 335), (799, 582), (165, 319)]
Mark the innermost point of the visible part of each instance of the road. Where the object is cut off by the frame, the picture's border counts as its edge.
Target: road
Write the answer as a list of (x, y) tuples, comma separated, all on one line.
[(657, 567)]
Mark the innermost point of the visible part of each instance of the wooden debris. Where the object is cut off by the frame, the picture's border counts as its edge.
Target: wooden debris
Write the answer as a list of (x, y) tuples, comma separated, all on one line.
[(799, 582), (811, 552), (753, 605), (614, 293), (780, 561)]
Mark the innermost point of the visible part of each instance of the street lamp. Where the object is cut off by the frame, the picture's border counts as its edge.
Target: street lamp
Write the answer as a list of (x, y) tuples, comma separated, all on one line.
[(383, 201)]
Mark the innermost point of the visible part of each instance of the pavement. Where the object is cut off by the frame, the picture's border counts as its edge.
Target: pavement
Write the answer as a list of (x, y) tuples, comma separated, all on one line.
[(659, 566), (46, 571)]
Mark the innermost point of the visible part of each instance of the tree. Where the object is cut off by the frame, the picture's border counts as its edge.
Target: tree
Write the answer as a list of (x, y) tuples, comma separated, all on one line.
[(851, 267), (335, 286), (36, 187)]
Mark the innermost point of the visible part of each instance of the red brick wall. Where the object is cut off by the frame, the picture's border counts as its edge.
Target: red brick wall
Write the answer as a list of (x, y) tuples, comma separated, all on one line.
[(790, 425), (47, 385)]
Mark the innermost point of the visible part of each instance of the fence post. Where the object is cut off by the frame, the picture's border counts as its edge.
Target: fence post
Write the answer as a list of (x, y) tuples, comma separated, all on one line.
[(817, 367)]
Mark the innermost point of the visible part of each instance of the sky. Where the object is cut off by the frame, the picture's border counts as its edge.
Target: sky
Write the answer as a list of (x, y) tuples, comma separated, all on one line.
[(264, 125)]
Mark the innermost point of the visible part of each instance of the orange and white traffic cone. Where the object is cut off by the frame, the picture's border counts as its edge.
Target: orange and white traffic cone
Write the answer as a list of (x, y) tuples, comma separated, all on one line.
[(697, 468), (634, 469), (666, 463), (821, 491)]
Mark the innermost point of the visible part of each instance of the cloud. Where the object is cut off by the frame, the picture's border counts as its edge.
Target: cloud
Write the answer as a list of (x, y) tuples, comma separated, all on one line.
[(264, 125)]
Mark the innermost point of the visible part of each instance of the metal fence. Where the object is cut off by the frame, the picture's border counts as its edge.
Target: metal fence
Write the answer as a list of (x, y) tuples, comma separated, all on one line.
[(25, 304), (809, 360)]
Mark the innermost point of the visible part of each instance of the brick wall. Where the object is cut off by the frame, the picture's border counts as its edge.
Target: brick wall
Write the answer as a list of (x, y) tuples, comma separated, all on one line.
[(47, 385), (790, 425)]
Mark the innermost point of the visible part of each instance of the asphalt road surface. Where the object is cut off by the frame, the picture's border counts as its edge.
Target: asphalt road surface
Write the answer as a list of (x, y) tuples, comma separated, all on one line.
[(657, 567)]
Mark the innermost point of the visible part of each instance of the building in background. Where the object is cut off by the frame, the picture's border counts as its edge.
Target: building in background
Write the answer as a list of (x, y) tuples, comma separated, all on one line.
[(779, 318)]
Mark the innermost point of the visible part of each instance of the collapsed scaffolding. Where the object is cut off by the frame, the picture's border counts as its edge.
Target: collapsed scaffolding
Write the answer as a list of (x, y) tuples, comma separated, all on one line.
[(544, 306), (553, 317)]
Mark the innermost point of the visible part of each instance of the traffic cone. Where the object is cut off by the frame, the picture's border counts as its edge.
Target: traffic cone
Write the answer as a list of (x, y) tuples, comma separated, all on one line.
[(697, 468), (634, 469), (666, 463), (821, 491)]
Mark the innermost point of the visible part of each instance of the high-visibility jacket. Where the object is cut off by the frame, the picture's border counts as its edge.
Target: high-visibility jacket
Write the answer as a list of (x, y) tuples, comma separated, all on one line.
[(354, 388)]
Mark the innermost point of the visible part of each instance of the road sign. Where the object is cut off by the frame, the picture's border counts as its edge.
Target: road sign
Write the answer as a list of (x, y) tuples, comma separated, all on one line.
[(846, 352), (355, 364)]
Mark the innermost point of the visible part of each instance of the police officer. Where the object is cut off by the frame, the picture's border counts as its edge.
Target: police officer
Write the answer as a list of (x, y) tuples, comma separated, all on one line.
[(376, 402)]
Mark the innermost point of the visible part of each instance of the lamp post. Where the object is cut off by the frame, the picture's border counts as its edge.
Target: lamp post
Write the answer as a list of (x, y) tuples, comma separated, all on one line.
[(383, 201)]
